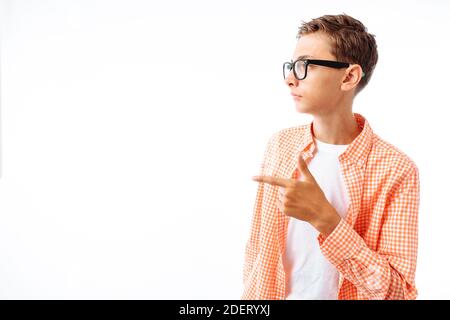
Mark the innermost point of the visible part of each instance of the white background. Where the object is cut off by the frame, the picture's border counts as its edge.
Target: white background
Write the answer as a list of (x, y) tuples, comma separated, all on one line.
[(130, 131)]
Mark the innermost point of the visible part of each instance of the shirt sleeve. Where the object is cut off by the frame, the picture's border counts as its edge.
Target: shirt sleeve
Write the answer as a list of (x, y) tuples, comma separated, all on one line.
[(388, 272), (252, 244)]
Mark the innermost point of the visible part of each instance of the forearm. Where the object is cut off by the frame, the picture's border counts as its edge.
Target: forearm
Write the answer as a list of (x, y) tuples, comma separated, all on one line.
[(371, 272)]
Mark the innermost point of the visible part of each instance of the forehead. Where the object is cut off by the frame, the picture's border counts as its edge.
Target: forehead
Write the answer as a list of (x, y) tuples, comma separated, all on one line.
[(315, 45)]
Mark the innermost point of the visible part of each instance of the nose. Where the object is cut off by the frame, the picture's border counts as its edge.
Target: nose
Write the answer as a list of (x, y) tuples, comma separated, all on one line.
[(291, 80)]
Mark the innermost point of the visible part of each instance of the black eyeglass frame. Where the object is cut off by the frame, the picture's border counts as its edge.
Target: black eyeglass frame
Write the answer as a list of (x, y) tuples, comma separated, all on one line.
[(306, 62)]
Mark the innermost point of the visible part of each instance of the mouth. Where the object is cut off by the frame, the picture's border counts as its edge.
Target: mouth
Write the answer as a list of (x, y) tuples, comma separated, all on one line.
[(296, 96)]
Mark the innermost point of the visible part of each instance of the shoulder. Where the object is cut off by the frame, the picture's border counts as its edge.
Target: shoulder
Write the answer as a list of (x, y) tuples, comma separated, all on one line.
[(288, 136), (281, 146), (391, 159)]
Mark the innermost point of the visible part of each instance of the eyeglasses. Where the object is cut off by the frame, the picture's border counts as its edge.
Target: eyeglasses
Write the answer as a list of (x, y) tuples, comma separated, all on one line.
[(300, 66)]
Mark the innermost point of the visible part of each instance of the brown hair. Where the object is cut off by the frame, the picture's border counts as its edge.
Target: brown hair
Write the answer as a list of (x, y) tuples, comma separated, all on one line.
[(350, 42)]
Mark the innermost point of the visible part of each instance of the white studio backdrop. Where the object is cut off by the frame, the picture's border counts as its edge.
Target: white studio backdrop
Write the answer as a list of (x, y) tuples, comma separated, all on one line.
[(130, 131)]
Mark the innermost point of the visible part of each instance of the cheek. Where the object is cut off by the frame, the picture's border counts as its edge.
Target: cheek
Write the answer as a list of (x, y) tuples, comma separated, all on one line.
[(317, 96), (322, 89)]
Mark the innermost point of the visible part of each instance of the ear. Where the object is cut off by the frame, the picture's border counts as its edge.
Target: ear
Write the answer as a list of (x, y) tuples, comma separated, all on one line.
[(352, 77)]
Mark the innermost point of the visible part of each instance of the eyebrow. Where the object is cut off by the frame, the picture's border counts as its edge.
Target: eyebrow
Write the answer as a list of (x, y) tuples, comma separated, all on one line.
[(303, 57)]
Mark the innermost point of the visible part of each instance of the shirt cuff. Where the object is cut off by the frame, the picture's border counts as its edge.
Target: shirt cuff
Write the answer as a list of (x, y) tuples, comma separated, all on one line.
[(341, 244)]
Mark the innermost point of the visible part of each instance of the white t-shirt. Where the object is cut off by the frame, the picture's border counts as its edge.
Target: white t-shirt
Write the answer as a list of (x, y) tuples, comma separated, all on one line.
[(309, 275)]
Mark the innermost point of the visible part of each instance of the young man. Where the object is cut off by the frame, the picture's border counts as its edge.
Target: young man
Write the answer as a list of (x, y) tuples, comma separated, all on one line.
[(336, 211)]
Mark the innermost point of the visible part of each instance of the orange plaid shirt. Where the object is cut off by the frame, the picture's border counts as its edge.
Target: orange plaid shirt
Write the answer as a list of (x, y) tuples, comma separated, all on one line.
[(374, 248)]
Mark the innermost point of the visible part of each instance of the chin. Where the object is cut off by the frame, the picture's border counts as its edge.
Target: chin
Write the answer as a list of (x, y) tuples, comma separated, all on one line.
[(302, 108)]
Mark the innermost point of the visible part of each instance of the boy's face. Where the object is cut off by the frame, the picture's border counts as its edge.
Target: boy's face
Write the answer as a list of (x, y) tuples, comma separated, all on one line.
[(321, 90)]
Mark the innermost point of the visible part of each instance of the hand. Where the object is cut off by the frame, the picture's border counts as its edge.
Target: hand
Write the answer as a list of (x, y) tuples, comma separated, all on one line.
[(304, 199)]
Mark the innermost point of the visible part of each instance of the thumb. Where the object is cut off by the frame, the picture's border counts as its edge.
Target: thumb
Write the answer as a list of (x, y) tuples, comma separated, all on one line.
[(303, 170)]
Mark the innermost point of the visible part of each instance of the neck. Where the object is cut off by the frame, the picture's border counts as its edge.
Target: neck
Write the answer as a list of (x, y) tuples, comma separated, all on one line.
[(335, 128)]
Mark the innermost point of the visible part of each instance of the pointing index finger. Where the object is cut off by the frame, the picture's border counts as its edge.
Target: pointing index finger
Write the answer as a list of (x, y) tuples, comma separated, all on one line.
[(272, 180)]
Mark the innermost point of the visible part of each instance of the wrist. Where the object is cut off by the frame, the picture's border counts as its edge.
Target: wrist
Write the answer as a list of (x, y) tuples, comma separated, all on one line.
[(327, 221)]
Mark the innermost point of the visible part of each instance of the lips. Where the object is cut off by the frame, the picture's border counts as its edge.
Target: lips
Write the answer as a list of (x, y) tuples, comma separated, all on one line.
[(295, 95)]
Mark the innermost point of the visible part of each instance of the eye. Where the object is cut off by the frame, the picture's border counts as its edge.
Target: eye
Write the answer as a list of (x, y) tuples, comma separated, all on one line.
[(287, 66)]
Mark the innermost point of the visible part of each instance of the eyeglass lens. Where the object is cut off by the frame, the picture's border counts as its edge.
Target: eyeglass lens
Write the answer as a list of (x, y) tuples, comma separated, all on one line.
[(299, 69)]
